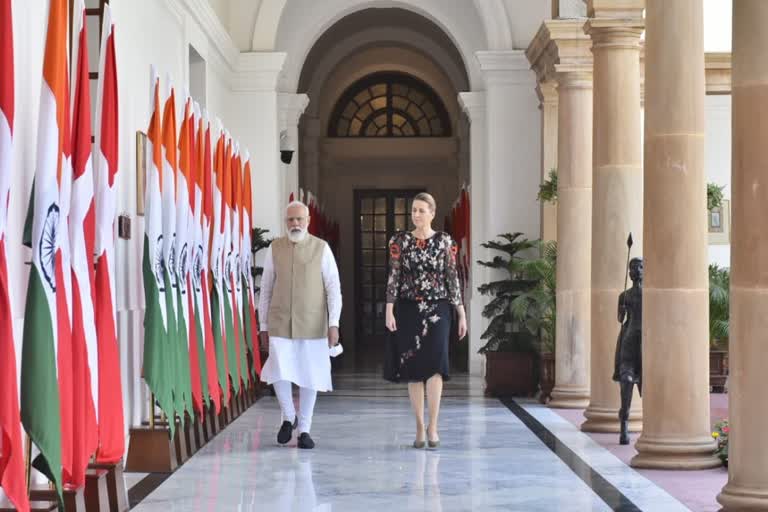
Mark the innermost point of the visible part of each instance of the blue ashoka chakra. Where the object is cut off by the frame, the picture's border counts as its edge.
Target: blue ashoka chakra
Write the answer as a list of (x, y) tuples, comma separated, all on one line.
[(172, 263), (47, 246), (228, 272), (237, 272), (158, 264), (197, 268), (217, 266), (183, 266)]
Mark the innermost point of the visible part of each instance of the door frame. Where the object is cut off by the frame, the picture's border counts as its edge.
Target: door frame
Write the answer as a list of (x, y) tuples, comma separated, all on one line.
[(358, 195)]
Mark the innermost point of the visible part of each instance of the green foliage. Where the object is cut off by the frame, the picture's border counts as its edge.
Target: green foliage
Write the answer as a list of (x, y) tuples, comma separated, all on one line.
[(714, 195), (719, 305), (535, 308), (258, 242), (548, 189), (720, 434), (524, 278)]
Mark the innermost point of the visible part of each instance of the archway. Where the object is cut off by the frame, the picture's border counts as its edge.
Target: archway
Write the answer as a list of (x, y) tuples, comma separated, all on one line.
[(383, 122)]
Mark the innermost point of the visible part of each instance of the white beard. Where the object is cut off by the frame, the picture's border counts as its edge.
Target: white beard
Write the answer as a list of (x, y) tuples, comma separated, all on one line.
[(297, 235)]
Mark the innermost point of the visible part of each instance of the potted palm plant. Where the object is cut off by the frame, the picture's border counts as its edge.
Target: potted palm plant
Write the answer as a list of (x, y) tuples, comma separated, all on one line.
[(509, 348), (719, 312), (535, 309)]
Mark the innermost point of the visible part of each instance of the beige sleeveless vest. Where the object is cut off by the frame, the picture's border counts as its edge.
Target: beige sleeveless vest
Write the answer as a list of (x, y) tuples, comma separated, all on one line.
[(299, 308)]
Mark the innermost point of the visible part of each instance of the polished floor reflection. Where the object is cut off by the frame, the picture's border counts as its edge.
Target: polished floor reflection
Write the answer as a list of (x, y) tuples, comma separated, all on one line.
[(488, 460)]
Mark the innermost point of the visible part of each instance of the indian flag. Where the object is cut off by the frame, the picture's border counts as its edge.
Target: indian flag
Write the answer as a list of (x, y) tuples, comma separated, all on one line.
[(186, 242), (40, 405), (110, 397), (206, 173), (199, 371), (251, 329), (217, 269), (170, 248), (229, 281), (158, 317), (237, 240)]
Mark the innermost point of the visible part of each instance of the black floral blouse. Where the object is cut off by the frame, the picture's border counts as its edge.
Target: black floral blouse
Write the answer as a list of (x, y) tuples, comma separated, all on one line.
[(423, 270)]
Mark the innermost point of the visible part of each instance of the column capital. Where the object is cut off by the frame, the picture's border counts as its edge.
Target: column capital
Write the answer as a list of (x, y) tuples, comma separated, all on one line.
[(258, 71), (615, 33), (547, 92), (290, 107), (560, 47), (473, 104), (616, 9), (505, 67)]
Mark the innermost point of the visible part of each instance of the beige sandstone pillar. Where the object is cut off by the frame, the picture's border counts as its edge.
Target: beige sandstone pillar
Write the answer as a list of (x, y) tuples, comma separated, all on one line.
[(574, 211), (617, 200), (747, 487), (547, 92), (676, 430)]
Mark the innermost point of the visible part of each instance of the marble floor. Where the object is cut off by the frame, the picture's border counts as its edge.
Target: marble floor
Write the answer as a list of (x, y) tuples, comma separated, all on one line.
[(493, 456)]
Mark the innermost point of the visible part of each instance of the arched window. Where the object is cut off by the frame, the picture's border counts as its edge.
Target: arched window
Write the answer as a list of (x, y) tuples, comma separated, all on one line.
[(389, 105)]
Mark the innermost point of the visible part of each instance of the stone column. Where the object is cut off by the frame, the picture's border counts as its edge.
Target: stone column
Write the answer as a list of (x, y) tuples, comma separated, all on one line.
[(747, 487), (676, 430), (559, 53), (617, 200), (473, 104), (547, 92), (574, 227), (291, 107)]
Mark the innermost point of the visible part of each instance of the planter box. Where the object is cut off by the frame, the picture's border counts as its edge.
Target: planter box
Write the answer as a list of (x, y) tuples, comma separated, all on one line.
[(718, 370), (510, 374), (546, 376)]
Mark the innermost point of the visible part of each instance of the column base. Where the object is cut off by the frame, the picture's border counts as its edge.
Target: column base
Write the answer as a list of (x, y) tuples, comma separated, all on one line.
[(735, 497), (606, 420), (675, 454), (577, 398)]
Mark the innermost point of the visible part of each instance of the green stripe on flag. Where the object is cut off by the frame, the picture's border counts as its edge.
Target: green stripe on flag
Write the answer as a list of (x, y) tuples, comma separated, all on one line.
[(40, 408), (219, 343), (156, 361)]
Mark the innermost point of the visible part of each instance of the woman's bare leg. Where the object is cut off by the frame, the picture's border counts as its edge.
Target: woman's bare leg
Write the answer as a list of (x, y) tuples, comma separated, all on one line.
[(434, 393), (416, 394)]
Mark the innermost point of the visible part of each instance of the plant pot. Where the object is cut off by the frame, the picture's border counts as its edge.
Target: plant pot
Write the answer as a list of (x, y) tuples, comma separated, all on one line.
[(718, 370), (510, 374), (546, 376)]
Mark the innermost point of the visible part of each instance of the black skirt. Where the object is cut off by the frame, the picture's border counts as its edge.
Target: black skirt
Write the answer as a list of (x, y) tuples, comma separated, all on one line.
[(418, 349)]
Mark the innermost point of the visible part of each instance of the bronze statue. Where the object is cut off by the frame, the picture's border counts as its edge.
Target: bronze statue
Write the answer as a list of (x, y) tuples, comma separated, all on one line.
[(628, 366)]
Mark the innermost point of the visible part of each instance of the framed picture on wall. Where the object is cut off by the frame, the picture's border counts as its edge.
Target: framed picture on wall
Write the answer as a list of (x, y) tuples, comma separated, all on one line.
[(141, 170), (719, 224)]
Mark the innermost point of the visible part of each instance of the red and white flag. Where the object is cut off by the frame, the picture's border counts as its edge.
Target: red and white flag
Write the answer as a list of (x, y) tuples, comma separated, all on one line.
[(110, 396), (12, 473), (81, 235)]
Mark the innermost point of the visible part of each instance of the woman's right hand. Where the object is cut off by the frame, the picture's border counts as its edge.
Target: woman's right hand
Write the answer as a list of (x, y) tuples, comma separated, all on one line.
[(390, 318)]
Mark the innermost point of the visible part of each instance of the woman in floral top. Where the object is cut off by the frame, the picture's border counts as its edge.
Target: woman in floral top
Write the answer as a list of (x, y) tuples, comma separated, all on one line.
[(423, 286)]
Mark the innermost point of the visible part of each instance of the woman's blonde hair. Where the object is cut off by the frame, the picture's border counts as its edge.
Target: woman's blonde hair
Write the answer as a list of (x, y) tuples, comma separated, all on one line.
[(427, 198)]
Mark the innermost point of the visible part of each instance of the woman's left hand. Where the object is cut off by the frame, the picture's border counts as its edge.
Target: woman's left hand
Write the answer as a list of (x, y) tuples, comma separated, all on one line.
[(462, 326)]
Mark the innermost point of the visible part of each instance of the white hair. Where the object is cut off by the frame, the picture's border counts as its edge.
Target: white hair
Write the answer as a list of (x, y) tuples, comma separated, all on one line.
[(297, 203)]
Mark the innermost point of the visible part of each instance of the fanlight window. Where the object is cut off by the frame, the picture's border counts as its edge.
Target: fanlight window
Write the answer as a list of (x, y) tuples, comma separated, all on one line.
[(389, 105)]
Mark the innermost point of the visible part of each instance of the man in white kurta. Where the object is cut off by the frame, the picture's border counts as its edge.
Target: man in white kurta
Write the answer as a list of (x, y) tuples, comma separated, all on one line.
[(299, 310)]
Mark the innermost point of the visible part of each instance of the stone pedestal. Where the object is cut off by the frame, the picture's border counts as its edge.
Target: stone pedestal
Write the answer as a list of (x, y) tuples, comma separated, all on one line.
[(118, 494), (676, 423), (151, 450)]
